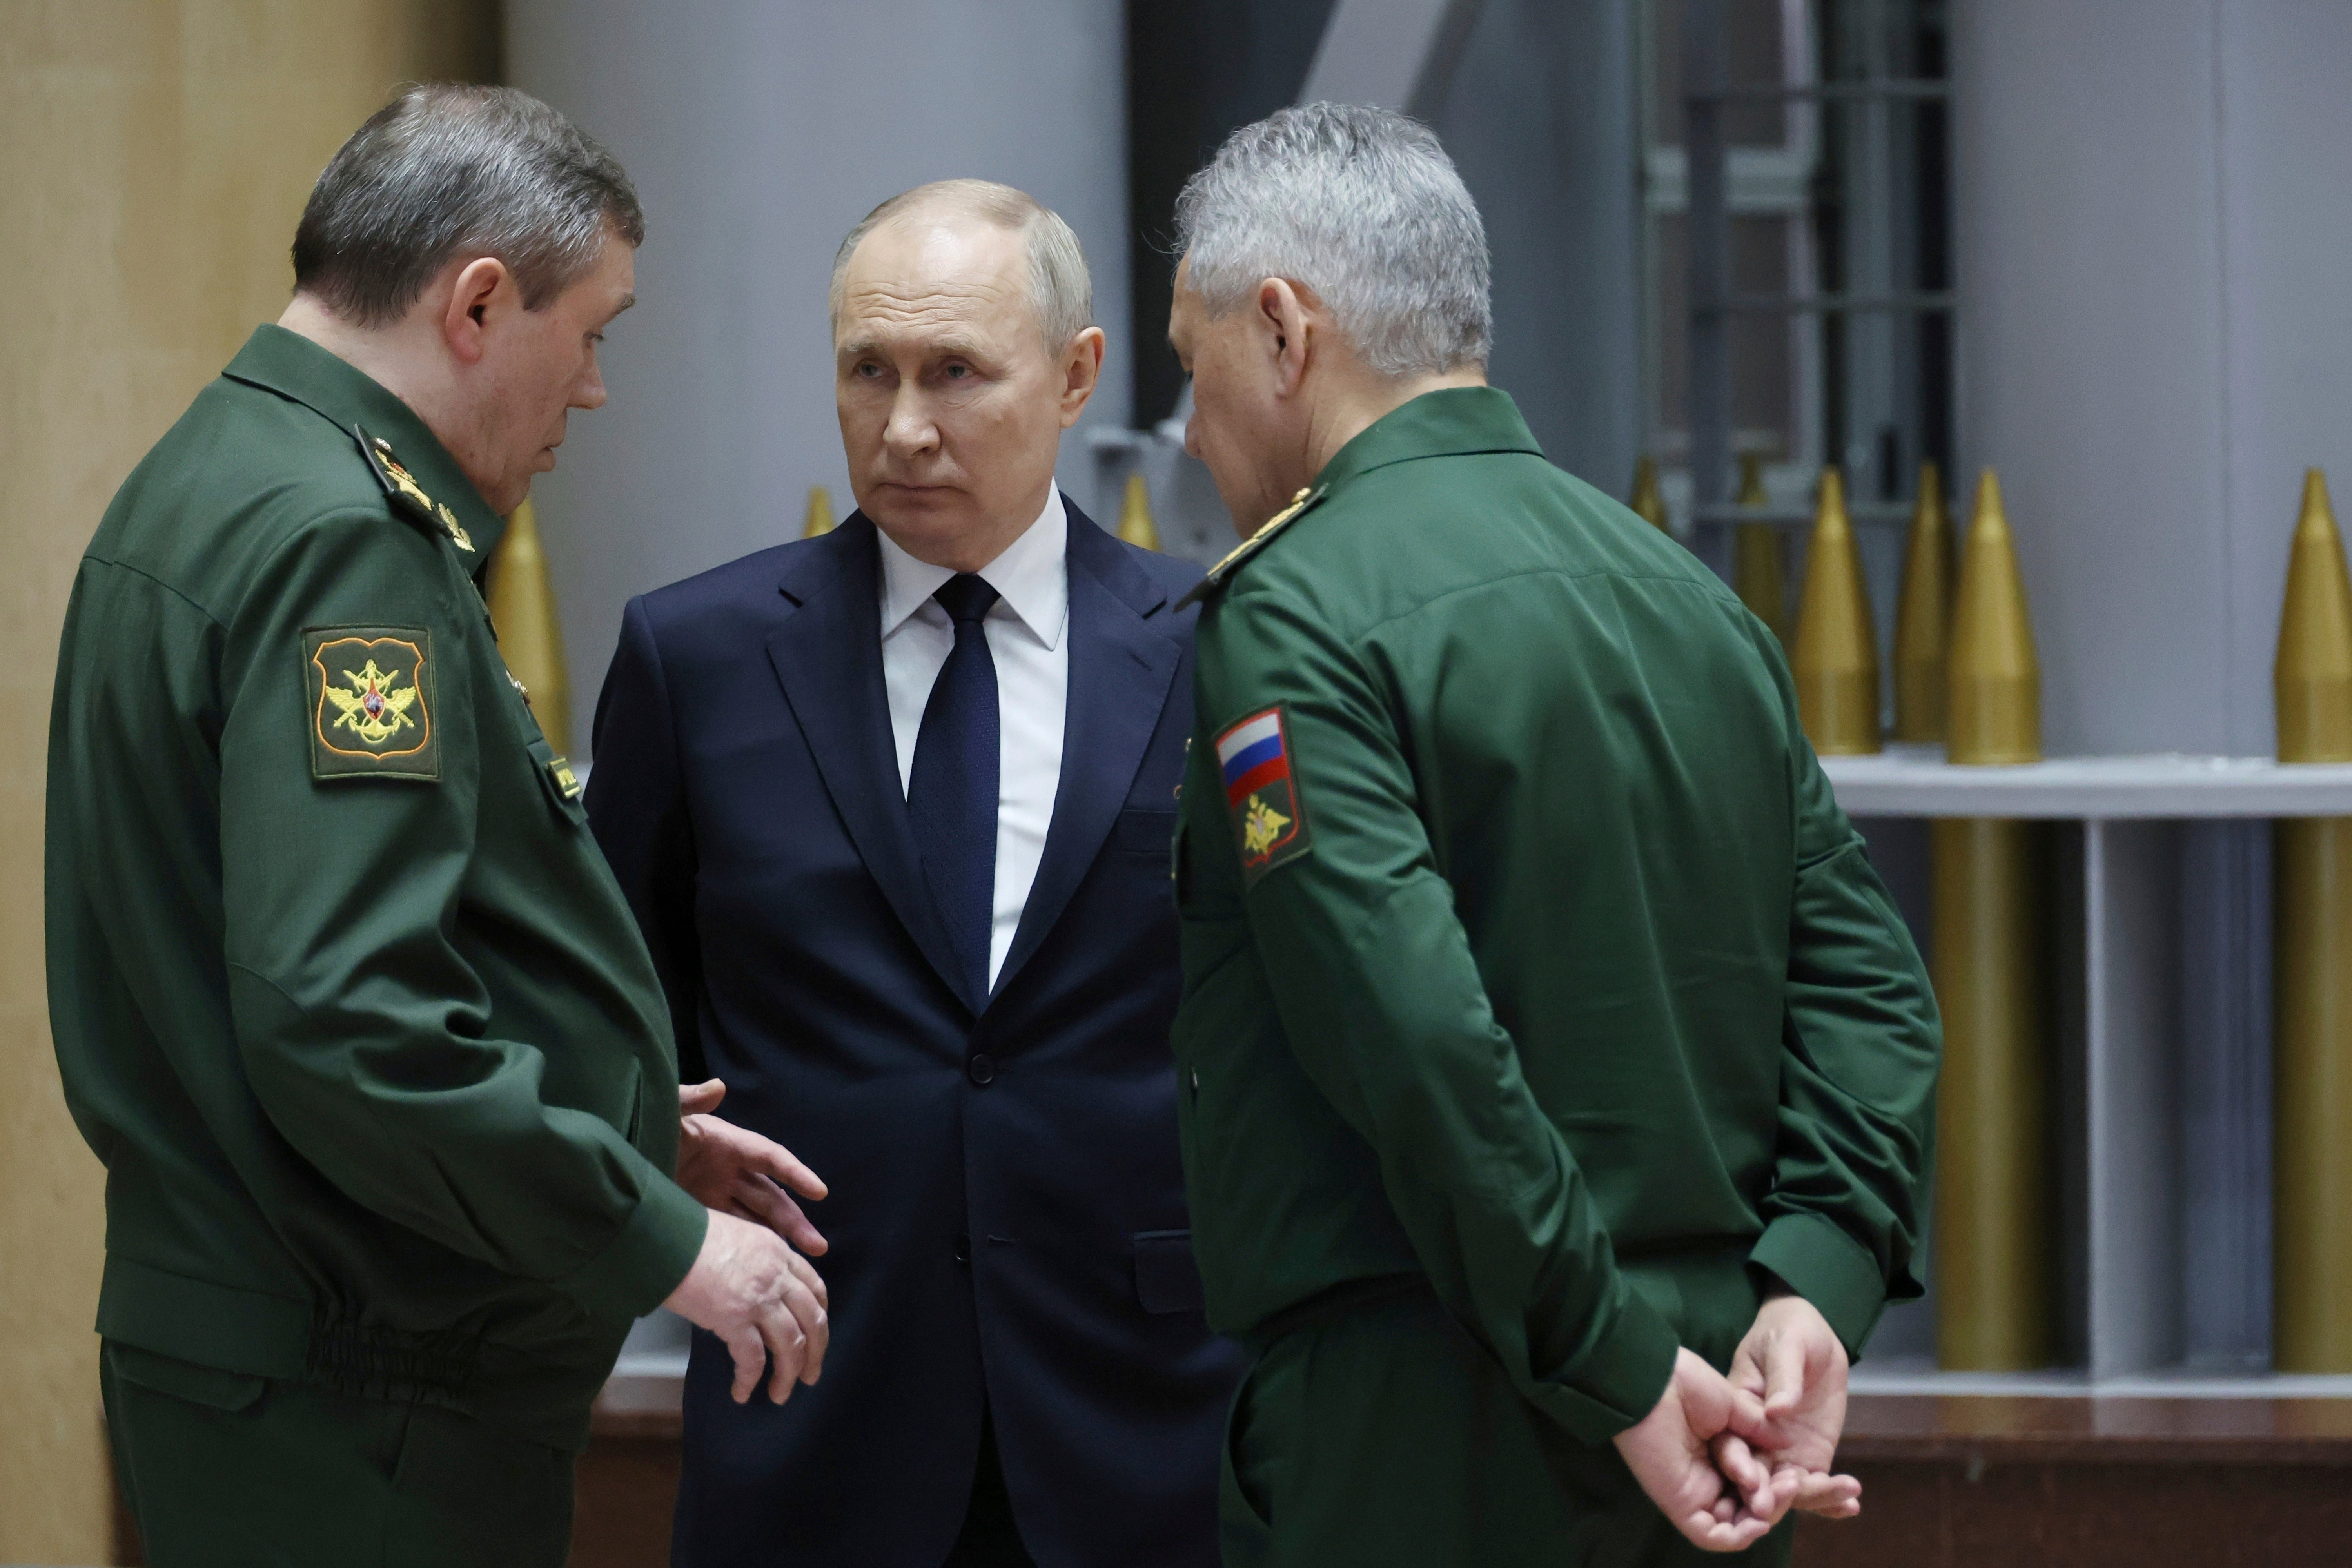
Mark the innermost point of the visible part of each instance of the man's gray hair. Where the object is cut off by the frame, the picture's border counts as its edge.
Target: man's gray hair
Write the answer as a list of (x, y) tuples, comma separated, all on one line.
[(446, 171), (1060, 290), (1361, 205)]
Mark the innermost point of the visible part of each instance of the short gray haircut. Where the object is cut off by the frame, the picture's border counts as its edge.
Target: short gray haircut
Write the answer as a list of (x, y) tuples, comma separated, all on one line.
[(1061, 291), (1361, 205), (446, 171)]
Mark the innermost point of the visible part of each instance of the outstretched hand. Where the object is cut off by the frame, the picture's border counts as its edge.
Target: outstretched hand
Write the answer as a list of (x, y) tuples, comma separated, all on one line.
[(1671, 1454), (737, 1172), (1793, 1365)]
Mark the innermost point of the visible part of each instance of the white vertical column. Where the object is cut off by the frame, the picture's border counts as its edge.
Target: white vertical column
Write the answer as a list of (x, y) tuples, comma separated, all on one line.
[(2152, 199)]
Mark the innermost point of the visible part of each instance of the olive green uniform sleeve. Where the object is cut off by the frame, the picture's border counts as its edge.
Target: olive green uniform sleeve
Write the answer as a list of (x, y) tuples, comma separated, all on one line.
[(1860, 1049), (1377, 989), (367, 1038)]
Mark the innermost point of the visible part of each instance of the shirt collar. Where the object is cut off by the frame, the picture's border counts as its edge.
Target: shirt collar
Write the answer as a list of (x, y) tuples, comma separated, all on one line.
[(1450, 422), (1031, 574), (293, 366)]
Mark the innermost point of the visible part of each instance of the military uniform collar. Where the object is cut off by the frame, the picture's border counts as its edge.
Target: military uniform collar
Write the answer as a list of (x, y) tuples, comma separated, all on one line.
[(1451, 422), (1454, 421), (347, 397)]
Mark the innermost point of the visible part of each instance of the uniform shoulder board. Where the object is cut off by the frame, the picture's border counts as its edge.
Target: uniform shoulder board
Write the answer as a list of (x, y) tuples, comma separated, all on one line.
[(406, 494), (1248, 547)]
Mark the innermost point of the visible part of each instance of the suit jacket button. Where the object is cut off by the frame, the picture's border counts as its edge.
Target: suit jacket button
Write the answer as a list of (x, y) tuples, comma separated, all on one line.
[(963, 1249), (981, 1070)]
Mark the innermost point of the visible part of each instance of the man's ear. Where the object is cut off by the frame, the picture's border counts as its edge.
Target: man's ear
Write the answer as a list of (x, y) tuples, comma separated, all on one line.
[(1081, 373), (482, 291), (1287, 332)]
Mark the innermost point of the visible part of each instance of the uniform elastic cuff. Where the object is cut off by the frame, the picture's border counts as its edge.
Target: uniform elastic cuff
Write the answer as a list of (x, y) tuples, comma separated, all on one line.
[(1620, 1379), (1829, 1268), (647, 1260)]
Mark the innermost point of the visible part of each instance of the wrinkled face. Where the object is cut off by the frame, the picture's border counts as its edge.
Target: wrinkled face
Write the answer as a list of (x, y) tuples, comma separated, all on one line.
[(951, 407), (539, 365), (1241, 427)]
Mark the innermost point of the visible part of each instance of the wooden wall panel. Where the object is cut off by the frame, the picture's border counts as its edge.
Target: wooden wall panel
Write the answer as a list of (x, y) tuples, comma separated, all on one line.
[(154, 156)]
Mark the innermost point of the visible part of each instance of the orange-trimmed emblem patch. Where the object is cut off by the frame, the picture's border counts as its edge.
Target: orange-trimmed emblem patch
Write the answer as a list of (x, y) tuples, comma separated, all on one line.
[(371, 703)]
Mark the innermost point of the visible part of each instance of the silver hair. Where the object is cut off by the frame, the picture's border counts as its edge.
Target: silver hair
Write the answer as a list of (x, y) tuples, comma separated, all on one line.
[(1361, 205), (445, 171), (1061, 291)]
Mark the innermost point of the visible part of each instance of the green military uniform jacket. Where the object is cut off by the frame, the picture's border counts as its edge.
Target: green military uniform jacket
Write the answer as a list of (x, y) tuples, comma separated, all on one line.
[(343, 994), (1534, 964)]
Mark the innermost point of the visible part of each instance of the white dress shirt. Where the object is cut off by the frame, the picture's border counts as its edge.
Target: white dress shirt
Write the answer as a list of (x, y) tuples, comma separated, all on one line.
[(1028, 639)]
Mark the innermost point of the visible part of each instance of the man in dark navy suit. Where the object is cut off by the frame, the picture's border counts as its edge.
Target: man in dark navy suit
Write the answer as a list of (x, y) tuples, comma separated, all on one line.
[(894, 807)]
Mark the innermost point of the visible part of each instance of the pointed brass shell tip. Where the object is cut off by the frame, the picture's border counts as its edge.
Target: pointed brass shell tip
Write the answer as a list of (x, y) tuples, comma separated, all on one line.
[(819, 521), (1757, 574), (1135, 524), (1923, 614), (1834, 659), (521, 597), (2312, 681), (1994, 680), (1646, 501)]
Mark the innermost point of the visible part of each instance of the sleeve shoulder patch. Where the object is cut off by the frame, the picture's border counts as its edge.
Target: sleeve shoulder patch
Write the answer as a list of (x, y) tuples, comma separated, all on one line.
[(370, 691), (1253, 766)]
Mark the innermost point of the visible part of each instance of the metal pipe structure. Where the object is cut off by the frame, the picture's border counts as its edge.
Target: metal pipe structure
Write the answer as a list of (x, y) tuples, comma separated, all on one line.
[(1994, 1192), (1709, 227), (2311, 1173)]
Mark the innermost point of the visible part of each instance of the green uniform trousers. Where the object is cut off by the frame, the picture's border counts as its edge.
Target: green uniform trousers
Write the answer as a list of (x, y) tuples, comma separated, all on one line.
[(1384, 1435), (222, 1470)]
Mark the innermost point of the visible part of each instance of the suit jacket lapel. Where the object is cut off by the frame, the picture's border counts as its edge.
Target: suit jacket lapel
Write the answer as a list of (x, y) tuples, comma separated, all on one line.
[(828, 655), (1121, 669)]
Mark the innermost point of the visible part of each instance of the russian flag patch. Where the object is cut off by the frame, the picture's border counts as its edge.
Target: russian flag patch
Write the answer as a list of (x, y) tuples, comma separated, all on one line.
[(1261, 796)]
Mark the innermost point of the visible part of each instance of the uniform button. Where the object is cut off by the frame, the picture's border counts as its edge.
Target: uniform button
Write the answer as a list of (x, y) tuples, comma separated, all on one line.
[(982, 1071), (963, 1249)]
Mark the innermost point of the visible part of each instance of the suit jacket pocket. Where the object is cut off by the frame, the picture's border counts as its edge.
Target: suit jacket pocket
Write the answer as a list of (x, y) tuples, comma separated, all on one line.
[(1166, 1278), (1144, 830)]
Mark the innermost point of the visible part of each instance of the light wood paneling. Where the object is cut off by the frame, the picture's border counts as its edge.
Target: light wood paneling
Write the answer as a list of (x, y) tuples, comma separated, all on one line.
[(154, 156)]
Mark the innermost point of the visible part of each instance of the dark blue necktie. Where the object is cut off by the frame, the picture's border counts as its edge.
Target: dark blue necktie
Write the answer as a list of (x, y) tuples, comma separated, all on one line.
[(951, 792)]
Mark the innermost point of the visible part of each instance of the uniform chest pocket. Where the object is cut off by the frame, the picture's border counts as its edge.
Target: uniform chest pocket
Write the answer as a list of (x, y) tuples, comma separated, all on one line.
[(558, 781)]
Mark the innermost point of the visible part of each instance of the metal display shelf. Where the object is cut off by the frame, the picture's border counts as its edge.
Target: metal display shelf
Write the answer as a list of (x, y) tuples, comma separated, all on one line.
[(1915, 781), (2159, 939)]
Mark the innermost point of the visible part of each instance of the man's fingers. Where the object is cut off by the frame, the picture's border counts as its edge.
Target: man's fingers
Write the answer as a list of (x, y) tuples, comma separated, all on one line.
[(815, 1329), (783, 1167), (760, 1200), (1750, 1478), (810, 1280), (1705, 1530), (787, 1349), (750, 1355), (700, 1098), (1840, 1497)]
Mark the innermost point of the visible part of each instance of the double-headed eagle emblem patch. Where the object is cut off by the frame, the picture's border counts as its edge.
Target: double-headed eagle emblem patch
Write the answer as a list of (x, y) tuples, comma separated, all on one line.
[(375, 707), (371, 705), (1262, 792)]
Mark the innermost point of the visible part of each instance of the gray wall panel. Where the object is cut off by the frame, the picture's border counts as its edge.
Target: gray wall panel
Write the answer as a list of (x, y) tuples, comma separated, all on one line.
[(2153, 202), (1540, 120), (757, 133), (2091, 349)]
